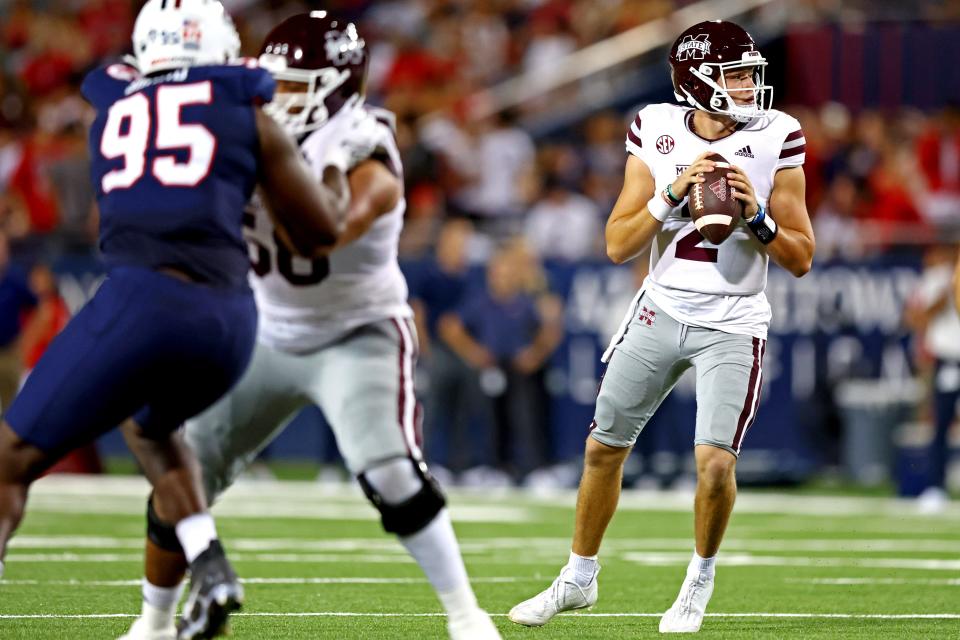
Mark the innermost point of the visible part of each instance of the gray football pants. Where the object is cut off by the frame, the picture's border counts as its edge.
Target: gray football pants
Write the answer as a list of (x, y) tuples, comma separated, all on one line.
[(363, 383), (649, 360)]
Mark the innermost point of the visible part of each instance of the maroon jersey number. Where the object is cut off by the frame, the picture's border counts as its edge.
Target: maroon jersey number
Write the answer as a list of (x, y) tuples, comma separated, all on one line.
[(687, 248)]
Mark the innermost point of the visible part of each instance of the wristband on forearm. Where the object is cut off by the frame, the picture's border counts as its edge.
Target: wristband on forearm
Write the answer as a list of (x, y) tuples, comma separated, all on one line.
[(660, 205), (669, 193), (762, 226)]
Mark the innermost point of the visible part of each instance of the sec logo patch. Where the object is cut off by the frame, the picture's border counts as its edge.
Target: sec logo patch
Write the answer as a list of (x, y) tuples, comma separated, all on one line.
[(665, 144)]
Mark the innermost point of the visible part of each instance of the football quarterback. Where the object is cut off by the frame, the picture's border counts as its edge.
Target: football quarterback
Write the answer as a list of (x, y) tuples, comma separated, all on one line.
[(702, 304)]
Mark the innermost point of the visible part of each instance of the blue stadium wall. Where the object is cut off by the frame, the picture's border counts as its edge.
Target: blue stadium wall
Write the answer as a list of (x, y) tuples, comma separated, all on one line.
[(841, 322)]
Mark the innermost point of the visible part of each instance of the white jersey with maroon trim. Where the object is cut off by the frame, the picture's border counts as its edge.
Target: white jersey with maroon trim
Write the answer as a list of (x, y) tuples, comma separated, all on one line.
[(695, 281), (307, 304)]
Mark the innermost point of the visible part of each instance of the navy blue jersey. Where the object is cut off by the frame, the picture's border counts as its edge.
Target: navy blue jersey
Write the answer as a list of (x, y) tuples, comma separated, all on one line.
[(174, 161)]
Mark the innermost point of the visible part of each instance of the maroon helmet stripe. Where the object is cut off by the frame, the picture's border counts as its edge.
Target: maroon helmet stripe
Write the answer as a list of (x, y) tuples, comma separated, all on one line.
[(636, 121), (793, 136), (748, 401), (787, 153), (634, 138)]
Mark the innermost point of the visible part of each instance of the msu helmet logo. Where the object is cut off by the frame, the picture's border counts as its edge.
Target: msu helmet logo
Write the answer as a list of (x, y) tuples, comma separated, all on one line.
[(693, 48), (344, 48)]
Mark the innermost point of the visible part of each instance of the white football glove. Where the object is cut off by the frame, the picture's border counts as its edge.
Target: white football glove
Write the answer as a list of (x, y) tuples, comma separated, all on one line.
[(353, 141)]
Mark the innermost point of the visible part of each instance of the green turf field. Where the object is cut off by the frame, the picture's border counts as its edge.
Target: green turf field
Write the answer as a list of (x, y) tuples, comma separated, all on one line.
[(317, 565)]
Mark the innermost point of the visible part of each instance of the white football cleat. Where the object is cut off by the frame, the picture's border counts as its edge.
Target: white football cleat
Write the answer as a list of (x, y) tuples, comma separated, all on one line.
[(140, 630), (475, 625), (563, 595), (686, 614), (933, 500)]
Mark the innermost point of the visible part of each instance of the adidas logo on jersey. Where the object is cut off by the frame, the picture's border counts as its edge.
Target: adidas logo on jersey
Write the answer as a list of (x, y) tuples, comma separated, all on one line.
[(745, 152)]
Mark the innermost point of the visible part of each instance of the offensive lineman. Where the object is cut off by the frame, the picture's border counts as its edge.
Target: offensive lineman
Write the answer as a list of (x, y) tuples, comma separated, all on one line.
[(702, 305), (335, 331)]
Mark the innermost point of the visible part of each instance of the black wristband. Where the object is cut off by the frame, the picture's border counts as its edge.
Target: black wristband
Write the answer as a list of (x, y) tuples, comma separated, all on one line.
[(763, 226)]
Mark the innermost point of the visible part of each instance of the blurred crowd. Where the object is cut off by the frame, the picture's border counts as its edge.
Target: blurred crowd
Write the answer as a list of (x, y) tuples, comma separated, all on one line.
[(479, 191), (895, 174)]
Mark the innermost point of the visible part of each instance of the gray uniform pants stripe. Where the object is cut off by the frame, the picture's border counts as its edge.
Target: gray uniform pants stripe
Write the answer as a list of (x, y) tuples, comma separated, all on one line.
[(752, 402)]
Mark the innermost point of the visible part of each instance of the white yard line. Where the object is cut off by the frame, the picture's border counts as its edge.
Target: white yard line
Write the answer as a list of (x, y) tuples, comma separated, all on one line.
[(353, 614), (940, 582), (952, 582), (908, 524), (538, 557), (753, 560), (15, 557), (472, 545), (236, 557), (295, 581), (233, 506)]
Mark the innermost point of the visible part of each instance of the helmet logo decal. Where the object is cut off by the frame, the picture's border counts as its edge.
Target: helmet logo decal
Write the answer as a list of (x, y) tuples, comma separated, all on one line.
[(665, 144), (192, 35), (693, 48), (164, 37), (342, 48)]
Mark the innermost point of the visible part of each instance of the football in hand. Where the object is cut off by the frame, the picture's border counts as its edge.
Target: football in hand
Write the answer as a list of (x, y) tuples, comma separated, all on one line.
[(714, 210)]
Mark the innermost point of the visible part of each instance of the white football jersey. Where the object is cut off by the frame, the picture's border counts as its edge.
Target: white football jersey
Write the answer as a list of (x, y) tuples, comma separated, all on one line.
[(307, 304), (695, 281)]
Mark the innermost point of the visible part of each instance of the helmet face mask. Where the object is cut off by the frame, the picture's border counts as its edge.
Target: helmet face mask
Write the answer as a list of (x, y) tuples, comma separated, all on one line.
[(170, 35), (304, 111), (327, 57), (700, 60)]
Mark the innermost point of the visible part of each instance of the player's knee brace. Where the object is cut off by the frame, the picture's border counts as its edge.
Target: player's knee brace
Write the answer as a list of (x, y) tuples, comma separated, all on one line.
[(406, 495), (160, 533)]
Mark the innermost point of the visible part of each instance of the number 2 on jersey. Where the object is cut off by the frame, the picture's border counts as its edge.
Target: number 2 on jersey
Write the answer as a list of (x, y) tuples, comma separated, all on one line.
[(687, 248), (126, 135)]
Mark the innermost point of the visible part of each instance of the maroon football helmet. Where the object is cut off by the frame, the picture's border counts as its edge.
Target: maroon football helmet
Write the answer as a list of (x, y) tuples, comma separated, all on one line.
[(327, 55), (700, 57)]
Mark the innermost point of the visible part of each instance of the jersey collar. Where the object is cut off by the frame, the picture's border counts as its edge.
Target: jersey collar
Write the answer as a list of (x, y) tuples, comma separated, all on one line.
[(688, 121)]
